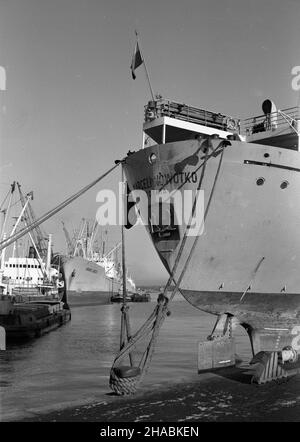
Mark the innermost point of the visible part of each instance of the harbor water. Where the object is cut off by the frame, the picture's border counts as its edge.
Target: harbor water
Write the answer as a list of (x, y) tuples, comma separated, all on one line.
[(70, 366)]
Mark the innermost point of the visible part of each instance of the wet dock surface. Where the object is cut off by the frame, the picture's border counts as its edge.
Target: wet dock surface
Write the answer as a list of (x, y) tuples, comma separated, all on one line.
[(226, 396)]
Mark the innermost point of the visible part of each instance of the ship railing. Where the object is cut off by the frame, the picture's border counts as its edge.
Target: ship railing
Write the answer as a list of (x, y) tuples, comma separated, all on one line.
[(280, 119), (25, 285), (167, 108)]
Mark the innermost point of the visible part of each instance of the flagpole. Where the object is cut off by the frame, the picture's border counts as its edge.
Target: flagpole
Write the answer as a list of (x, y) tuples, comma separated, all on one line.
[(146, 70)]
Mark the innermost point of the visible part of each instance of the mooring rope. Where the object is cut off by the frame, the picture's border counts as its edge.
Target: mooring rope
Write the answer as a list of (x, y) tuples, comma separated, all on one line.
[(50, 213), (128, 385), (164, 309)]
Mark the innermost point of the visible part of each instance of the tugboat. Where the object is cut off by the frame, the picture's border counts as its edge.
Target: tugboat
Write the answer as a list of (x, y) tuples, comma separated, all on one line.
[(243, 264), (141, 296)]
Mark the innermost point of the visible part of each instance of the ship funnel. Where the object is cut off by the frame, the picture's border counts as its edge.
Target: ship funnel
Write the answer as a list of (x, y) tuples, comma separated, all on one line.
[(268, 107), (270, 111)]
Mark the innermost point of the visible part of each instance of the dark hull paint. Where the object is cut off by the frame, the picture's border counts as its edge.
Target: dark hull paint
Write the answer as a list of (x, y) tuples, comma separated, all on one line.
[(38, 328), (257, 309), (271, 320), (85, 298)]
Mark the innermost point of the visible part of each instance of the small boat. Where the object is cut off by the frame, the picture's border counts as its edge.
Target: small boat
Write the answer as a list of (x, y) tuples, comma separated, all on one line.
[(141, 296), (118, 297)]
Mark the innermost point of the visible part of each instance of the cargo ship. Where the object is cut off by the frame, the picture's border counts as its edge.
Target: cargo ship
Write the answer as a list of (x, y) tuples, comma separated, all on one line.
[(91, 275), (31, 295), (243, 265), (31, 275), (87, 282)]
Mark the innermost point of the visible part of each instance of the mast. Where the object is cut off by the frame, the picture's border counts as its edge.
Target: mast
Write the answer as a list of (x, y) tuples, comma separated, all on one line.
[(103, 243), (3, 234), (13, 186), (48, 265), (87, 239), (27, 219), (78, 239), (37, 234), (17, 223), (123, 248), (68, 240), (93, 236), (2, 261), (144, 63)]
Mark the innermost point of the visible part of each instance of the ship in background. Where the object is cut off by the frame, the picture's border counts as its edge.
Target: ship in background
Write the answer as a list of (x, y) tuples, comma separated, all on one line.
[(31, 289), (92, 275), (245, 266), (29, 271)]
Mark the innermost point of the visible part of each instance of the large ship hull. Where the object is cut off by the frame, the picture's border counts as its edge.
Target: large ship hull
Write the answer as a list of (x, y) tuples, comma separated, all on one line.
[(246, 262), (86, 282)]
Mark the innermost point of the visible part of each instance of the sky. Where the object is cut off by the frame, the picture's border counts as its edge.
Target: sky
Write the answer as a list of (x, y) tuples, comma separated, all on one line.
[(71, 107)]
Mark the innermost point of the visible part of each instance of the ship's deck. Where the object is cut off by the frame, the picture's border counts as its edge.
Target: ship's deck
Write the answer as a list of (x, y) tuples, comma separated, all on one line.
[(168, 121)]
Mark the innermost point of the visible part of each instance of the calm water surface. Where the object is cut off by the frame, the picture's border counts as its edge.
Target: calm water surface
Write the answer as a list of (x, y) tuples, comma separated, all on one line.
[(70, 365)]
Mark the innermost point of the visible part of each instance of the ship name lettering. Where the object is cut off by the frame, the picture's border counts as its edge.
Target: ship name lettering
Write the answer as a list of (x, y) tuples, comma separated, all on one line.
[(162, 179)]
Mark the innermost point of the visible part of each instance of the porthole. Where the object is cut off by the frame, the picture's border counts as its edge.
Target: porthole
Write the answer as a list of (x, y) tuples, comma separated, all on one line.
[(284, 184), (260, 181), (152, 158), (266, 155)]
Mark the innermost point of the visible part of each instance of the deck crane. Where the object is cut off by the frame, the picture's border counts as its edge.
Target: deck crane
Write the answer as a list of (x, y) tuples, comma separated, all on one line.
[(70, 244), (37, 234)]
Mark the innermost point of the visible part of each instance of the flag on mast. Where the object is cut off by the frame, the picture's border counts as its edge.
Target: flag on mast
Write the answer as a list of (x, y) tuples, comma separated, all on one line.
[(137, 60)]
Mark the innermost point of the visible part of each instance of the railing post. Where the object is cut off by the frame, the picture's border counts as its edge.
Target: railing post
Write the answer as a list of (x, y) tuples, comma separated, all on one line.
[(163, 134)]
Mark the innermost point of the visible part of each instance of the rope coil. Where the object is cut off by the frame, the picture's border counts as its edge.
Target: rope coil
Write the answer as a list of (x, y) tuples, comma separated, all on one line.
[(124, 385)]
